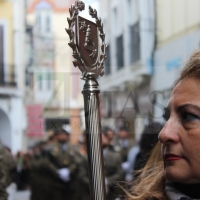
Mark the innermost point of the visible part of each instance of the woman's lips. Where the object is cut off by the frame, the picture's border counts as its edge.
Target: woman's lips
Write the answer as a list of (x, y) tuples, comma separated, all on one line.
[(171, 157)]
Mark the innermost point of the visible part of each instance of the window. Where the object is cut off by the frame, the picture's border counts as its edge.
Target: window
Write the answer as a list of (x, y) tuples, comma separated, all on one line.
[(115, 17), (1, 55), (38, 22), (129, 3), (40, 79), (43, 20), (120, 50), (48, 24), (135, 42), (107, 62), (49, 80), (129, 14)]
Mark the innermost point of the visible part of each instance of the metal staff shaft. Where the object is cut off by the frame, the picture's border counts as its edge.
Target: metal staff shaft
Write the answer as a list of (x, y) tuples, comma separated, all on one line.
[(94, 147)]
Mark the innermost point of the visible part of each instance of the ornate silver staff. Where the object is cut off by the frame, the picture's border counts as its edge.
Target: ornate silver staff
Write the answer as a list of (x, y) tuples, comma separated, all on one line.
[(89, 56)]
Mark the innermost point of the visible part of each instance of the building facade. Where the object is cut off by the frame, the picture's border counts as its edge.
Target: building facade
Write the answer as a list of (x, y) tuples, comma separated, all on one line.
[(12, 110), (55, 82), (130, 35), (178, 30)]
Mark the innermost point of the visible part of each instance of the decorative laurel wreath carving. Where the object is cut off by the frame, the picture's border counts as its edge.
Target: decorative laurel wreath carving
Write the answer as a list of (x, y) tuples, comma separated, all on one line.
[(79, 62)]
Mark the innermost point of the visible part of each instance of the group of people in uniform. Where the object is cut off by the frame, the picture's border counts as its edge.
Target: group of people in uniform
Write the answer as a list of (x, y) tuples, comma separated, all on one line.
[(58, 170)]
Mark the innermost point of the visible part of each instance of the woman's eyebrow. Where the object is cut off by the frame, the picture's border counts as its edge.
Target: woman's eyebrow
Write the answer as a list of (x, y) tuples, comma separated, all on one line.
[(181, 107)]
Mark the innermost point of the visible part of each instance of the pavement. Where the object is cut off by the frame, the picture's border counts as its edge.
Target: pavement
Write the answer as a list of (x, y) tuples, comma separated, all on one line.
[(25, 195), (13, 194)]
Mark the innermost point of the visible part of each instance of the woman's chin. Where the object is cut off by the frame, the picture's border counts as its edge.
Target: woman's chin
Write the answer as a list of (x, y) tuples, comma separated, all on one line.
[(181, 177), (174, 175)]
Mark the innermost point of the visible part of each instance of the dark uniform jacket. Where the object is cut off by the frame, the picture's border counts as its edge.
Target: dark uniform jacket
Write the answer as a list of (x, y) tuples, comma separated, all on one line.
[(82, 184), (44, 169), (113, 172), (3, 174)]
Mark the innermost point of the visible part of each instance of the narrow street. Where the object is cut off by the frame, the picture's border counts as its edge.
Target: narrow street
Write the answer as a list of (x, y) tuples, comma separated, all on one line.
[(13, 194), (22, 195)]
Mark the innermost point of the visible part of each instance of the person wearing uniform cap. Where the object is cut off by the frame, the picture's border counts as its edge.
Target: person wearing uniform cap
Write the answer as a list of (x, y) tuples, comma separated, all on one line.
[(147, 142), (125, 143), (82, 186), (110, 134), (38, 177), (61, 166)]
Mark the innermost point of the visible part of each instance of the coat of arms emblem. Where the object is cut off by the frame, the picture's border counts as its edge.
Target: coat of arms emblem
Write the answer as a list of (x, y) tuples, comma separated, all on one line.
[(87, 41), (89, 53)]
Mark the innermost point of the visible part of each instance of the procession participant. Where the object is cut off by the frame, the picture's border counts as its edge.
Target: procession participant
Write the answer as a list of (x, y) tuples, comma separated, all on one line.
[(172, 172), (147, 142), (125, 143), (110, 134), (112, 168), (61, 167), (10, 166), (3, 174), (82, 186), (38, 177)]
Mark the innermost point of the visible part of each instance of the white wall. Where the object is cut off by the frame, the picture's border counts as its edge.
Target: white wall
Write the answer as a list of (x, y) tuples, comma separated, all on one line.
[(19, 42), (18, 120), (176, 18)]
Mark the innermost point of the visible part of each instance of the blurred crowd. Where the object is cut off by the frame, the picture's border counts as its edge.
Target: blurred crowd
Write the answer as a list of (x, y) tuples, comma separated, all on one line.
[(55, 169)]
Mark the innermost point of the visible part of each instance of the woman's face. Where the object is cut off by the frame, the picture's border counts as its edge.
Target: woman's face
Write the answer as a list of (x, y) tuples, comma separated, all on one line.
[(180, 137)]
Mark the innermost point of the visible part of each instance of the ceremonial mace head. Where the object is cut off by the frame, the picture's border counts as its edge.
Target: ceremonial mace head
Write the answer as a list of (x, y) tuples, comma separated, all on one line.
[(87, 41)]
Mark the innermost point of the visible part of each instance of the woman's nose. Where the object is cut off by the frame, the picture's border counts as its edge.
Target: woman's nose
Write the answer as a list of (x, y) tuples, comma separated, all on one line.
[(169, 133)]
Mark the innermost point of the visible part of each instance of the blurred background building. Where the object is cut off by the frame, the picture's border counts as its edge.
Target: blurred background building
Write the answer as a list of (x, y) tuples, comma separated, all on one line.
[(177, 31), (148, 42), (130, 31), (12, 67), (53, 89), (39, 87)]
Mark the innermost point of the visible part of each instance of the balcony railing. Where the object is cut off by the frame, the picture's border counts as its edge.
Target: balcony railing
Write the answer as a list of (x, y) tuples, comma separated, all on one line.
[(7, 80)]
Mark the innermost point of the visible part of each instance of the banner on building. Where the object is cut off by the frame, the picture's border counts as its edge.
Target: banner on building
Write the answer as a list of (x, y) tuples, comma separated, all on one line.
[(35, 121)]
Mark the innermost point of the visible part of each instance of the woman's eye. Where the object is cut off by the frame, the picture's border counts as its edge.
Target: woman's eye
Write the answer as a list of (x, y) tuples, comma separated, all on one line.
[(186, 117)]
